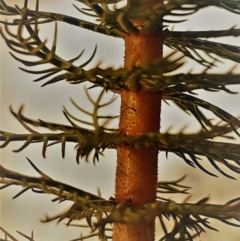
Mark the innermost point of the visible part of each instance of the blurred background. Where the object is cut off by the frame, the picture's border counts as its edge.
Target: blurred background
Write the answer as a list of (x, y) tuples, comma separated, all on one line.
[(24, 213)]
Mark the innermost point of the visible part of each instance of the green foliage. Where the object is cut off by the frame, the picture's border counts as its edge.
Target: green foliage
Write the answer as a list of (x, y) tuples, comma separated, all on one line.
[(190, 219), (99, 212), (100, 137)]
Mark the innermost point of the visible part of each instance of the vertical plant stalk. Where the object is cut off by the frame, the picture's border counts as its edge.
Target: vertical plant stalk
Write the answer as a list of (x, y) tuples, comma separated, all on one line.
[(136, 174)]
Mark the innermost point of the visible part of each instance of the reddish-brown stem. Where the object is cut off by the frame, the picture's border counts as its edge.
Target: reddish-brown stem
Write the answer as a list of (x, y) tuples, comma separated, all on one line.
[(136, 174)]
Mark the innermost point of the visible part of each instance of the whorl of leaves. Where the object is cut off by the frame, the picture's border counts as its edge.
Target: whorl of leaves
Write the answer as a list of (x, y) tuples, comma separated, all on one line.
[(150, 76), (99, 213), (98, 138)]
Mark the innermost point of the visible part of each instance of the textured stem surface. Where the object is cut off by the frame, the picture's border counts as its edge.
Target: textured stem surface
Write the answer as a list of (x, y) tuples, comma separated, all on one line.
[(136, 175)]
